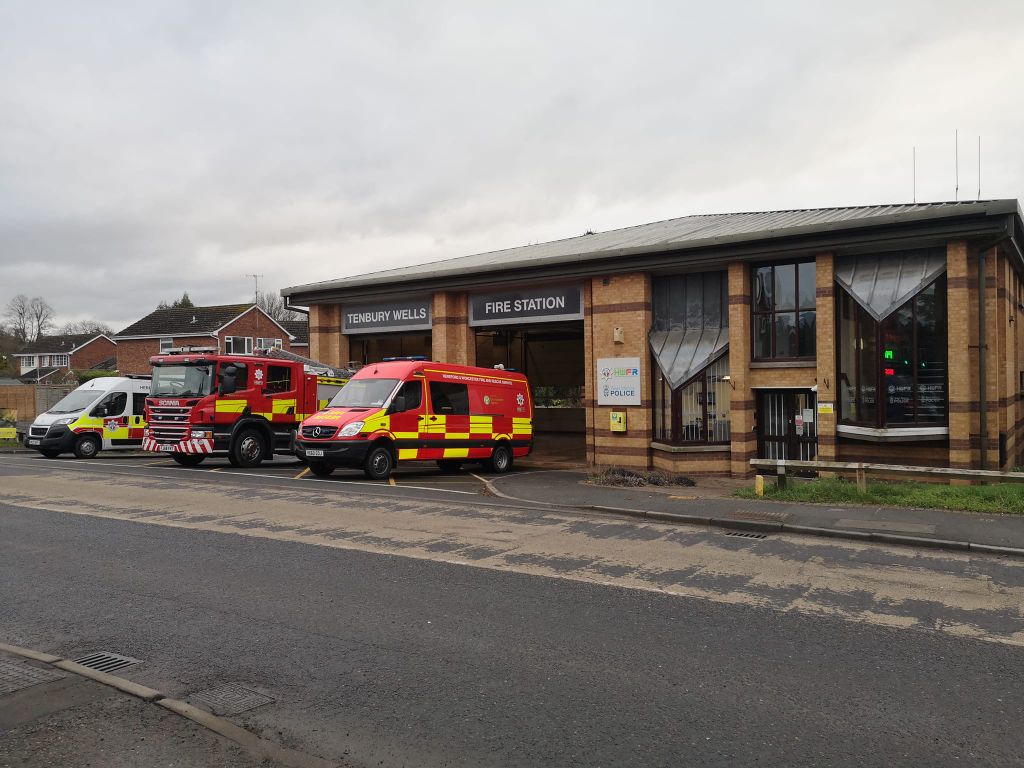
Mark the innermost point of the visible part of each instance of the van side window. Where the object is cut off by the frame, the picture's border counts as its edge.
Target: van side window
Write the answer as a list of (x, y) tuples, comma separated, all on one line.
[(111, 405), (449, 398), (138, 403), (409, 397), (279, 379)]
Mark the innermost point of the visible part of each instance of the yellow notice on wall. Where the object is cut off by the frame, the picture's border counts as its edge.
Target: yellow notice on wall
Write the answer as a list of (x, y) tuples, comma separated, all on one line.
[(8, 417), (827, 408)]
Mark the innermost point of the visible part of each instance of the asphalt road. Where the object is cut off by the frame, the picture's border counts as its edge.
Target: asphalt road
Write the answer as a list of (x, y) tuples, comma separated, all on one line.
[(385, 659)]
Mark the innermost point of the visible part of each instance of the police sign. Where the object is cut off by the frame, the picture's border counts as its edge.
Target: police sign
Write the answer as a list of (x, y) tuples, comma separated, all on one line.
[(618, 381)]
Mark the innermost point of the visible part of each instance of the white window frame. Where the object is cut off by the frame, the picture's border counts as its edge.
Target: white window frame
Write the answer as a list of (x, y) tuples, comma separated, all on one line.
[(262, 343), (60, 361), (28, 363), (166, 344), (229, 345)]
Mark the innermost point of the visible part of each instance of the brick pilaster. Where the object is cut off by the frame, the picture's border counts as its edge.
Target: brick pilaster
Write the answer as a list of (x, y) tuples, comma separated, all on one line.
[(960, 354), (452, 340), (826, 354), (743, 440)]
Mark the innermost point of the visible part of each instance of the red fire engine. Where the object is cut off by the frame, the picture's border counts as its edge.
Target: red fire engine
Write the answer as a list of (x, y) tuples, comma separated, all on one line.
[(245, 406)]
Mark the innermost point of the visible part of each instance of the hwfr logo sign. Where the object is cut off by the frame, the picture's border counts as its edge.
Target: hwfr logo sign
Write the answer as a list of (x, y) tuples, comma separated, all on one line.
[(618, 381)]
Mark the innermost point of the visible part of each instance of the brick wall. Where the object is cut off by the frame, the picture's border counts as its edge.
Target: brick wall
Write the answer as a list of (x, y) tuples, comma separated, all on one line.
[(452, 340), (825, 342), (620, 301), (96, 351), (743, 439), (133, 354)]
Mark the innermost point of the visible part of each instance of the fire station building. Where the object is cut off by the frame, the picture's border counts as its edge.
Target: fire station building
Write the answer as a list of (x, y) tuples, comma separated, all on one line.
[(881, 333)]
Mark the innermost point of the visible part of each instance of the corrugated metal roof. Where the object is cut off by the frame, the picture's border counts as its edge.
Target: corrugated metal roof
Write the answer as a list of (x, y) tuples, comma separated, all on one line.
[(672, 234), (883, 285), (682, 354)]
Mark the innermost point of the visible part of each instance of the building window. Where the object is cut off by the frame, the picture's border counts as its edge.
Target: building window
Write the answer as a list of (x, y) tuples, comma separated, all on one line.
[(698, 411), (785, 321), (892, 373), (166, 345), (238, 345), (268, 343), (28, 363), (59, 361)]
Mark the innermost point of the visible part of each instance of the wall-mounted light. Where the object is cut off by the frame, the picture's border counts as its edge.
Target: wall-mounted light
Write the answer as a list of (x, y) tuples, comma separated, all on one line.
[(729, 379)]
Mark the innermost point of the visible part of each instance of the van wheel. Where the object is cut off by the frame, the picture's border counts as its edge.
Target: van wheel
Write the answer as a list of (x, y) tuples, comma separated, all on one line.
[(248, 449), (501, 460), (87, 446), (50, 453), (379, 463), (188, 459), (320, 469), (449, 466)]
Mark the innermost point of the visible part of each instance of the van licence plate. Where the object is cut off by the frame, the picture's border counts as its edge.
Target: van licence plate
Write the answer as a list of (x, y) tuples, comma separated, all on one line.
[(166, 448), (314, 452), (33, 442)]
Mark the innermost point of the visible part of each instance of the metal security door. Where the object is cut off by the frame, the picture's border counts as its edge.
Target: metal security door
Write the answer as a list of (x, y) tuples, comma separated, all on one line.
[(787, 426)]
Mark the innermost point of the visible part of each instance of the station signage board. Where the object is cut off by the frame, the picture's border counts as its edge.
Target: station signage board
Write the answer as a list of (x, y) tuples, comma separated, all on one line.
[(618, 381), (542, 304), (387, 316)]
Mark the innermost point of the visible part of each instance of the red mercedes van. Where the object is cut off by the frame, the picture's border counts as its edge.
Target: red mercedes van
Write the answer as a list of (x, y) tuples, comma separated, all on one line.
[(415, 410)]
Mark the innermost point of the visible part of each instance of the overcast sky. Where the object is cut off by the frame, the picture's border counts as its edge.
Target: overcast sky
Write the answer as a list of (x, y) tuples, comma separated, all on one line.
[(151, 148)]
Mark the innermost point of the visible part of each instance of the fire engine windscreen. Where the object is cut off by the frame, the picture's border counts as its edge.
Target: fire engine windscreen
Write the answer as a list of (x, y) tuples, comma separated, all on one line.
[(364, 393), (181, 381)]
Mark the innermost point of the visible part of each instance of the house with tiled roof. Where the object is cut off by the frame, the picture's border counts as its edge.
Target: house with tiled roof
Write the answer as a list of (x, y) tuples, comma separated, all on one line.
[(50, 358), (229, 328), (299, 330)]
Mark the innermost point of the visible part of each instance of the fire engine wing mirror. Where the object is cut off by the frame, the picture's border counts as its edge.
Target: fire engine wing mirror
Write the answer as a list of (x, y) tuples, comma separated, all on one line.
[(227, 380)]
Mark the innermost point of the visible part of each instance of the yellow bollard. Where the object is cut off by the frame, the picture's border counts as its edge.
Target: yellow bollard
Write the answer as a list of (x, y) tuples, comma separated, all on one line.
[(759, 485)]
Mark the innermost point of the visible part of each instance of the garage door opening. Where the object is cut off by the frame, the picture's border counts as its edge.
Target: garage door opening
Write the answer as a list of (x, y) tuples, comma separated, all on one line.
[(551, 356), (373, 349)]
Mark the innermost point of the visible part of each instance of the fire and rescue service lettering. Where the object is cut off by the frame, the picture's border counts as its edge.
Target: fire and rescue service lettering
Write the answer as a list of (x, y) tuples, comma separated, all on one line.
[(409, 315)]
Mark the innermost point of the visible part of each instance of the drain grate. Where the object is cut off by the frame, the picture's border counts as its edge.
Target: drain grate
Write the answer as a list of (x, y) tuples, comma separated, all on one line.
[(15, 676), (746, 535), (104, 661), (231, 699)]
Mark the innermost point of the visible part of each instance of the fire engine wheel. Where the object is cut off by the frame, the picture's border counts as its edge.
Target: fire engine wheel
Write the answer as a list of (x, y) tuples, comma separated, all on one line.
[(87, 446), (379, 462), (449, 466), (188, 459), (319, 469), (248, 449), (501, 459)]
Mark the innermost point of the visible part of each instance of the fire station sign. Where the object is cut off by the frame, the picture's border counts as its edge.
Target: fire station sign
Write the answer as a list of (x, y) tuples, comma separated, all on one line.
[(618, 381), (543, 304), (389, 316)]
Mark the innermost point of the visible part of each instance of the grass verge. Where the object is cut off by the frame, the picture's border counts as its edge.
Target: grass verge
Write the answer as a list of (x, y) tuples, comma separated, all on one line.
[(999, 498)]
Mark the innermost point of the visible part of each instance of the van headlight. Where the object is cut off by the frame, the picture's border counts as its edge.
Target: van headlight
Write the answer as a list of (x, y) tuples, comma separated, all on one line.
[(62, 422), (351, 430)]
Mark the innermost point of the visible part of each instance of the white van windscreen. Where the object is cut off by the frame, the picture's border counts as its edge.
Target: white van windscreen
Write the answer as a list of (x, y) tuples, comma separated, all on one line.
[(78, 400)]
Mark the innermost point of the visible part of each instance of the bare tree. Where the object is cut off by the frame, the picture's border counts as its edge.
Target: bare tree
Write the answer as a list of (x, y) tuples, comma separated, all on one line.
[(17, 315), (40, 317), (86, 326), (273, 304)]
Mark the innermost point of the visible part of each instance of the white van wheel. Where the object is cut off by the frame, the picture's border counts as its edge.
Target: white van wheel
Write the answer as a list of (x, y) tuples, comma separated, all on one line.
[(87, 446)]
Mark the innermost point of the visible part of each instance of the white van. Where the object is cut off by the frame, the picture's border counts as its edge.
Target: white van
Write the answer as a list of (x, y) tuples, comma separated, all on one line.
[(103, 414)]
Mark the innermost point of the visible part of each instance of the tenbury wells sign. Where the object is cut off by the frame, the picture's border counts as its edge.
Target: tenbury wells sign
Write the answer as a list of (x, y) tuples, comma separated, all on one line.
[(402, 315), (542, 304)]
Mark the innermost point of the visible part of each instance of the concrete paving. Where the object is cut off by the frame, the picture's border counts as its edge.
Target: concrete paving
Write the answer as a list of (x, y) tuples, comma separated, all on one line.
[(571, 488)]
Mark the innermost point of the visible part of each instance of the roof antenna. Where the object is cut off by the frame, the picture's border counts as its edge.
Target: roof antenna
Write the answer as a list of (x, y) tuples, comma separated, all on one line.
[(979, 169), (256, 298), (956, 164)]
